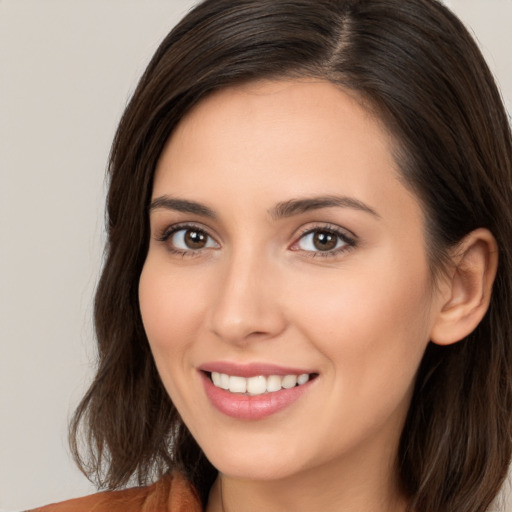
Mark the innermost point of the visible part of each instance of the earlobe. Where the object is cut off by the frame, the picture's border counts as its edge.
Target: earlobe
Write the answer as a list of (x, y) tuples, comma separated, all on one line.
[(466, 292)]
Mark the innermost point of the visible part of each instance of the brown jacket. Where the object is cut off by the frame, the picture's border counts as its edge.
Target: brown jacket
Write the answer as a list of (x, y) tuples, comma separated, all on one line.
[(173, 493)]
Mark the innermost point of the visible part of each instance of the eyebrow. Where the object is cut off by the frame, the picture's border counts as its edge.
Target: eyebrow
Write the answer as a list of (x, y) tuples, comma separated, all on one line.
[(280, 210), (181, 205), (298, 206)]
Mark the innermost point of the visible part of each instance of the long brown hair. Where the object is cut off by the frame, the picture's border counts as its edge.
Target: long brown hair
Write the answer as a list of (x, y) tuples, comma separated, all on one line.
[(415, 66)]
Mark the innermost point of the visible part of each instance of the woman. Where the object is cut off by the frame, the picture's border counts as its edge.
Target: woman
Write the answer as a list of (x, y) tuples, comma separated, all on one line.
[(306, 299)]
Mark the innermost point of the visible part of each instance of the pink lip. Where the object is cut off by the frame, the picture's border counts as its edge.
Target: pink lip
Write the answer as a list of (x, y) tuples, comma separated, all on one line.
[(247, 407), (251, 369)]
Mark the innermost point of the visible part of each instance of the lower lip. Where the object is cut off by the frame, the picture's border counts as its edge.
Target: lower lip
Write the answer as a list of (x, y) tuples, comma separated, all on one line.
[(247, 407)]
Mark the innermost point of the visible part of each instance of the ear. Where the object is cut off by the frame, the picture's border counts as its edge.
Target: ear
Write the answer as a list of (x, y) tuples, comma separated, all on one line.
[(466, 292)]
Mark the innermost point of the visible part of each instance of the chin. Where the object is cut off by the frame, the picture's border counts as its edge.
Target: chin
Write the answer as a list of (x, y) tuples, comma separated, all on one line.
[(242, 470), (256, 463)]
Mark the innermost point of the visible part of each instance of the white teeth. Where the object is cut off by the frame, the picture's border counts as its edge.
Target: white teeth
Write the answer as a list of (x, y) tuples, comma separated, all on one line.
[(224, 381), (302, 379), (216, 379), (273, 383), (259, 384), (237, 384), (256, 385), (289, 381)]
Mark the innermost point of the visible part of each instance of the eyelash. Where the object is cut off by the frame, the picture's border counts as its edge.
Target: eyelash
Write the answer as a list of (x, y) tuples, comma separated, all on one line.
[(348, 241), (168, 232)]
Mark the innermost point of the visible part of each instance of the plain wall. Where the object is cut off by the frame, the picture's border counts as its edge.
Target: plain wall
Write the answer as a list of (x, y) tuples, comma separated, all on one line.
[(67, 70)]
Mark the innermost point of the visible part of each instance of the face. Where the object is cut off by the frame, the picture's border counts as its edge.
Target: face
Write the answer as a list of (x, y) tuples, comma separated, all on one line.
[(286, 293)]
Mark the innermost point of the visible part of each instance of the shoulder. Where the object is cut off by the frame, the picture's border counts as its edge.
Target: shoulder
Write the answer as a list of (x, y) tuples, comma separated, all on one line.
[(171, 493)]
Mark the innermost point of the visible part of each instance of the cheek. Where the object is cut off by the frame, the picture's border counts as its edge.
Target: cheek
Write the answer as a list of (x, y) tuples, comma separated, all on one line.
[(171, 308), (371, 326)]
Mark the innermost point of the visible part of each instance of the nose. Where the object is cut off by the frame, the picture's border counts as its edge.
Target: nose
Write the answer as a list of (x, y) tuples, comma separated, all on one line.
[(248, 302)]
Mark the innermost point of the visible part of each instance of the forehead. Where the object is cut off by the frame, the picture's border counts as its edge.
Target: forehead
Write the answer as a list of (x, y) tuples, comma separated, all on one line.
[(257, 122), (266, 142), (256, 107)]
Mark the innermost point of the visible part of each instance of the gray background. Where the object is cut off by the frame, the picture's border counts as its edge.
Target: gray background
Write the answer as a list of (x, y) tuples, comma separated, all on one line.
[(67, 70)]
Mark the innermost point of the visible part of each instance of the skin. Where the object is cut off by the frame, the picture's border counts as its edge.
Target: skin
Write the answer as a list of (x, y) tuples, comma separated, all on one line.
[(360, 316)]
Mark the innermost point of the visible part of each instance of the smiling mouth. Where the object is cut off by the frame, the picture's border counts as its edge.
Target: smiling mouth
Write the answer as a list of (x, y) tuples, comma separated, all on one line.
[(258, 385)]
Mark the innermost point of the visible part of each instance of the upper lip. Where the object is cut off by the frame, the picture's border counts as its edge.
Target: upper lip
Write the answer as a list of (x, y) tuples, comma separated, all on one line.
[(251, 369)]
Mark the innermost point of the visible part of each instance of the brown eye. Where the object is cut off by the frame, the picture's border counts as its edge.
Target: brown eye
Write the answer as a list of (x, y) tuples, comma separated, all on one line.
[(191, 239), (195, 239), (323, 241)]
